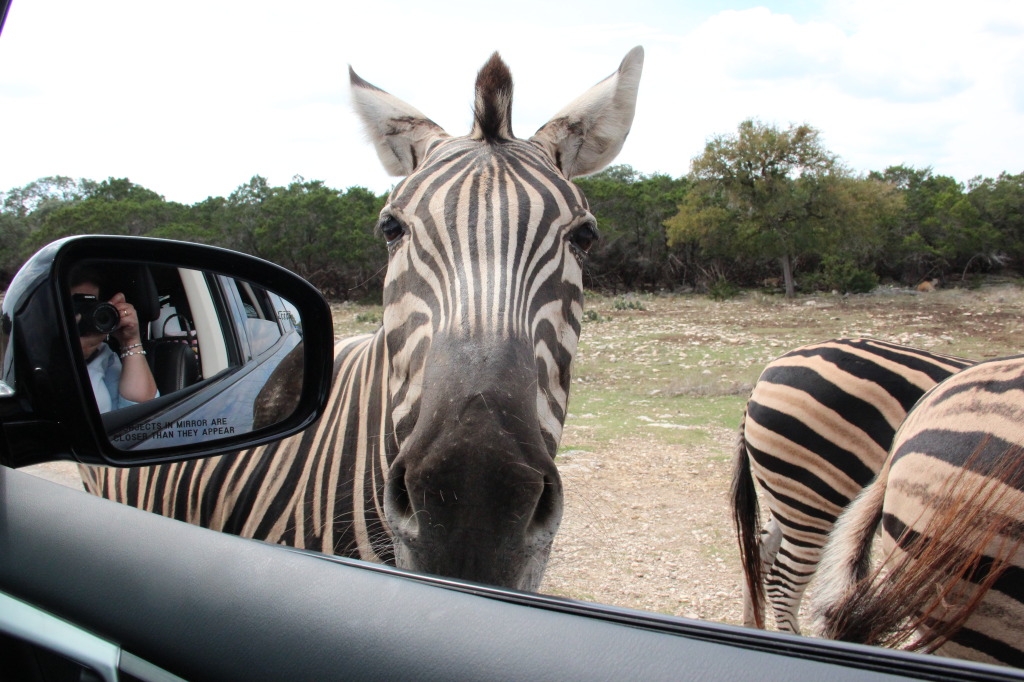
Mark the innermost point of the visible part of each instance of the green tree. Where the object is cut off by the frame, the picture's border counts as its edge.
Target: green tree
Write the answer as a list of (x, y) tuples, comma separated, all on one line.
[(630, 209), (114, 206), (44, 192), (13, 238), (122, 189), (704, 225), (244, 216), (857, 213), (320, 233), (1000, 205), (766, 188), (940, 227), (22, 212)]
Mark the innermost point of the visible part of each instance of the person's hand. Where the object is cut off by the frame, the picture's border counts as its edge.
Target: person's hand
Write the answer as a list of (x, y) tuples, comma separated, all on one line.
[(127, 332)]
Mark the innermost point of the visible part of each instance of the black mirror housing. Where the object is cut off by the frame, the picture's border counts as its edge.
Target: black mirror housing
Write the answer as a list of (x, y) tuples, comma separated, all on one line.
[(47, 407)]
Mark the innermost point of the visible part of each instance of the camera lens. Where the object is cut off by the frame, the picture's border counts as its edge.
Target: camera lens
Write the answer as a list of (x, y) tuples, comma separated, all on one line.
[(95, 317), (105, 318)]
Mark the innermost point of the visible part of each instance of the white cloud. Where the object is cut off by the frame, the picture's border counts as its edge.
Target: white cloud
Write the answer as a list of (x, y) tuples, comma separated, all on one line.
[(193, 101), (926, 84), (759, 45)]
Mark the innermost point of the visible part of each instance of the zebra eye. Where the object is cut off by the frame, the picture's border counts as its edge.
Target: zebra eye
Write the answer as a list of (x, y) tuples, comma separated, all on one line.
[(584, 236), (391, 229)]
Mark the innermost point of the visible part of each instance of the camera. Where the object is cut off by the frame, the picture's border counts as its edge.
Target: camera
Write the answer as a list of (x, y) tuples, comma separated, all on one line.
[(97, 317)]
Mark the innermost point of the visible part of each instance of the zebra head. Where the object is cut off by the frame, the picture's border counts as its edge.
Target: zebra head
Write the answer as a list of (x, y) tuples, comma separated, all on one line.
[(482, 306)]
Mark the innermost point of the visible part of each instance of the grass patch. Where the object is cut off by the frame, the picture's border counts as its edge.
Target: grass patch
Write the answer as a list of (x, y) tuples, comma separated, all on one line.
[(675, 367), (367, 318), (597, 417)]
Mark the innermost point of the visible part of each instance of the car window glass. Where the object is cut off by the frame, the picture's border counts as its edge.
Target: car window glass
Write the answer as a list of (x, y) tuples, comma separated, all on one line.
[(203, 347), (261, 319)]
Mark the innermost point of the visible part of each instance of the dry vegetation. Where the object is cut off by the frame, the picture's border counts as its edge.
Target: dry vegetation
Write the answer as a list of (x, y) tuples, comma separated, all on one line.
[(659, 385)]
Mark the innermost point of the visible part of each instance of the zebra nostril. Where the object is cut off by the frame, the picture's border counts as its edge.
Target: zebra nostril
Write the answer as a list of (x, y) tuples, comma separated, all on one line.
[(548, 512), (396, 496)]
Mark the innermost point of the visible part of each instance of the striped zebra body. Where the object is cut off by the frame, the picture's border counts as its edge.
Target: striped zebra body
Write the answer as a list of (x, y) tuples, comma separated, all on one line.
[(817, 428), (437, 450), (280, 492), (950, 503)]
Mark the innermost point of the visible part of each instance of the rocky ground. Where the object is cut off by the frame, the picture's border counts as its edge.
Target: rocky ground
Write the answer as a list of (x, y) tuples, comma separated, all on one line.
[(647, 521), (660, 383)]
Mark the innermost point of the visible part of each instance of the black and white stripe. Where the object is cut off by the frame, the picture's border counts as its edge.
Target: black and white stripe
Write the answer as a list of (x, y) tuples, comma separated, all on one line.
[(816, 429), (950, 505), (438, 445)]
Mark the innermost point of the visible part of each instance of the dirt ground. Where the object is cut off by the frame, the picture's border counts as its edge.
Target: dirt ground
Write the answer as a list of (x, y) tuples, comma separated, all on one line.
[(648, 527), (647, 522)]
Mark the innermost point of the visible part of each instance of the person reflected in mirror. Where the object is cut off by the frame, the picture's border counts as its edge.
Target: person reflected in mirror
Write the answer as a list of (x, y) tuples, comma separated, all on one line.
[(121, 378)]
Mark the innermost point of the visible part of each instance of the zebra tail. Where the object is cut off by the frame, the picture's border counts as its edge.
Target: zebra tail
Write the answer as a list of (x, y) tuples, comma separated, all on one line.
[(746, 515), (845, 561), (922, 599)]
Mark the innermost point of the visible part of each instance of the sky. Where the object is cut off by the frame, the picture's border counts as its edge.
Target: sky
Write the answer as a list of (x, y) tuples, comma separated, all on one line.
[(193, 98)]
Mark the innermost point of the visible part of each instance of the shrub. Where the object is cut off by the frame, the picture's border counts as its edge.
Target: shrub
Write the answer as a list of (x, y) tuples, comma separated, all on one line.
[(623, 303), (843, 275), (722, 290)]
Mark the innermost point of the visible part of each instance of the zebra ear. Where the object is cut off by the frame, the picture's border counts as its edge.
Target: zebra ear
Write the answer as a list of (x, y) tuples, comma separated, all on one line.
[(586, 136), (398, 130)]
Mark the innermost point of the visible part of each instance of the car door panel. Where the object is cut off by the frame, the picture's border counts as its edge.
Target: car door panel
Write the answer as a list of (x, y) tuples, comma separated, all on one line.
[(203, 605)]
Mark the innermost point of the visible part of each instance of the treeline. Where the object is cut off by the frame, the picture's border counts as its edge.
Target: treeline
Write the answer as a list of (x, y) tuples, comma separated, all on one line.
[(766, 220), (323, 234), (768, 203), (770, 207)]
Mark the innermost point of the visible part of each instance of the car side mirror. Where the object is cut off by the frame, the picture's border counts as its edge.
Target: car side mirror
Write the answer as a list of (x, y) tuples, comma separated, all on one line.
[(130, 350)]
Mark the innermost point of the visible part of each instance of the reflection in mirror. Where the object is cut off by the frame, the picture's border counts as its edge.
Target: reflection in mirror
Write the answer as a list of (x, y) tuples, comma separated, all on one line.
[(177, 356), (109, 330), (279, 397)]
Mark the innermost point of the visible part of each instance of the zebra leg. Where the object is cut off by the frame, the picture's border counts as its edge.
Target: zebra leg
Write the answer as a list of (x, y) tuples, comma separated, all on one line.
[(793, 564), (771, 538)]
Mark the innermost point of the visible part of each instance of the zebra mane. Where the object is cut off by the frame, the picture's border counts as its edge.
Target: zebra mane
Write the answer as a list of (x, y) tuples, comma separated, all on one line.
[(492, 110)]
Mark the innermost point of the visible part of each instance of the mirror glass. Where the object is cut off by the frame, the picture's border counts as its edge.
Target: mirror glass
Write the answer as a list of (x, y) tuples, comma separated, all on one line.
[(178, 356)]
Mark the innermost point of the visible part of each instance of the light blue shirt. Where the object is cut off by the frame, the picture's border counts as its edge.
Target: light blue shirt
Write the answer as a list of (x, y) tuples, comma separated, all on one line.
[(105, 375)]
